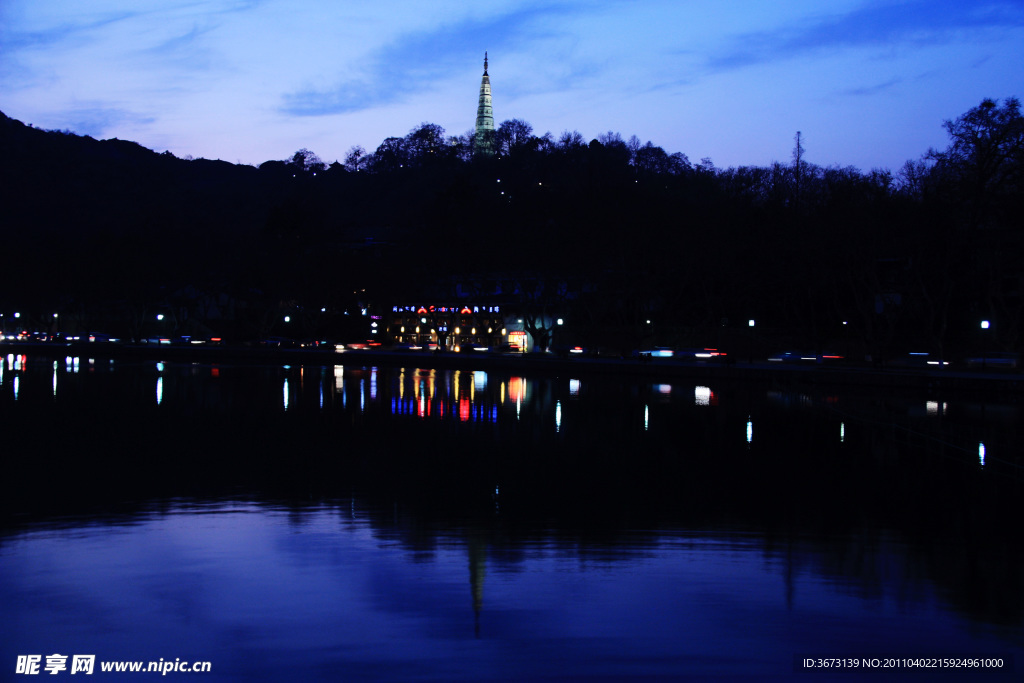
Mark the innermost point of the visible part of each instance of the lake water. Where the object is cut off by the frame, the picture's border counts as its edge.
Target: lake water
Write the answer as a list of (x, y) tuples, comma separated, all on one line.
[(353, 522)]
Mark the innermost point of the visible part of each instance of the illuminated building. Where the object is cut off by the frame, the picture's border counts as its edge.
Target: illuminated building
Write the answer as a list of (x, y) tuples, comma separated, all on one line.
[(452, 327), (484, 115)]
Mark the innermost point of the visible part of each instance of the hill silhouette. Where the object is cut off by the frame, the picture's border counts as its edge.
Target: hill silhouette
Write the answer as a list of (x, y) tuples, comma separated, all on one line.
[(613, 232)]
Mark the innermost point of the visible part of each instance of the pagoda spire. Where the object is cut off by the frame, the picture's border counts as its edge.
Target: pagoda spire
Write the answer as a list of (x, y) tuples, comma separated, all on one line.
[(484, 115)]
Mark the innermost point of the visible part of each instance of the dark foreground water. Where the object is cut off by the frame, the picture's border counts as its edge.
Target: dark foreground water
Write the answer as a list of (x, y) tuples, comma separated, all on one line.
[(360, 523)]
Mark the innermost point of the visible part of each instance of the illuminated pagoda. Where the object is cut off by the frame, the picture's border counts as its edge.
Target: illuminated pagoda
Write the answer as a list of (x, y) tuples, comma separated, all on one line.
[(484, 115)]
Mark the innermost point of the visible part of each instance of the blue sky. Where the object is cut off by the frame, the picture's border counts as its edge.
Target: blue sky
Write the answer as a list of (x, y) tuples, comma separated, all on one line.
[(867, 82)]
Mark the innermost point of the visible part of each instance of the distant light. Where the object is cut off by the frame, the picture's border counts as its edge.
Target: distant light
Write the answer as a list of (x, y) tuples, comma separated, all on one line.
[(423, 320), (981, 453), (323, 310), (287, 318), (159, 316), (17, 315), (54, 315), (984, 324), (750, 323), (559, 321), (750, 430)]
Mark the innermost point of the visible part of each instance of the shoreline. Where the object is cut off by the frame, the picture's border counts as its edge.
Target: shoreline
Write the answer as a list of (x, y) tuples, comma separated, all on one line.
[(1011, 381)]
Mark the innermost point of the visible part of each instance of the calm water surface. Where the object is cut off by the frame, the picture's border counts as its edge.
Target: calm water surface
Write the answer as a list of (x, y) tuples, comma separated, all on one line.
[(379, 523)]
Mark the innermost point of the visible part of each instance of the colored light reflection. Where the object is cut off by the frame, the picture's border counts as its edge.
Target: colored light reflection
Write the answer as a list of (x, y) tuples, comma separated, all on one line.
[(981, 453), (516, 388), (558, 416), (750, 430)]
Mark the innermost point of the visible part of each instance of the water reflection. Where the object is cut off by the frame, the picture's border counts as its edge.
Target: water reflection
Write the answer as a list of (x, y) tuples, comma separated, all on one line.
[(282, 590), (568, 406), (456, 504)]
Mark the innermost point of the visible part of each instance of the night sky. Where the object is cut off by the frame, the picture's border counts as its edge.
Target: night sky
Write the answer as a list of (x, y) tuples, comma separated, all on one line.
[(868, 82)]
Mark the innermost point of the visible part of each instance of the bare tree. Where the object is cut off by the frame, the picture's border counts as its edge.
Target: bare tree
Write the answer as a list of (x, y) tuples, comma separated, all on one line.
[(356, 158)]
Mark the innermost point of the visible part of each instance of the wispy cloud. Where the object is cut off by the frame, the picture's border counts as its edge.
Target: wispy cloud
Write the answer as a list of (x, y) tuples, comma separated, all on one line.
[(415, 62), (187, 50), (868, 90), (877, 24), (97, 119), (63, 32)]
